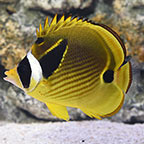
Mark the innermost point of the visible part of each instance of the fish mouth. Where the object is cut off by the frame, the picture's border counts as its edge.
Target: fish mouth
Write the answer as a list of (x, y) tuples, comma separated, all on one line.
[(4, 75), (12, 77), (7, 76)]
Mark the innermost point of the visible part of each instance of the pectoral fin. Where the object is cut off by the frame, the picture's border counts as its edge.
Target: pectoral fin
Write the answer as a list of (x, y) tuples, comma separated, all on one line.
[(58, 111)]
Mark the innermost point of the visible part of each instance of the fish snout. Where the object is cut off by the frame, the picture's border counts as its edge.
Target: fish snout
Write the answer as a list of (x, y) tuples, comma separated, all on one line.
[(12, 77)]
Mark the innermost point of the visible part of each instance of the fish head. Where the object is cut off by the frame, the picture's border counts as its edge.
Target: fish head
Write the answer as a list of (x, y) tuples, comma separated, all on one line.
[(26, 75)]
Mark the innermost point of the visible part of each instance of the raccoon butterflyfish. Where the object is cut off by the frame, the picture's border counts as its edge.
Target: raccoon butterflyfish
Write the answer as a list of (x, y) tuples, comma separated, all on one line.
[(75, 63)]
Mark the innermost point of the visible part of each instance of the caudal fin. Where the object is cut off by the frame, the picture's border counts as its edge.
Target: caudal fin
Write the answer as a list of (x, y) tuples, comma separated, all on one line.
[(123, 77)]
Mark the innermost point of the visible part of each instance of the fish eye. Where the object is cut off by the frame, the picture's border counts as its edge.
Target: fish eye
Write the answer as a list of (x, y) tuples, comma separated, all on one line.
[(39, 40), (108, 76)]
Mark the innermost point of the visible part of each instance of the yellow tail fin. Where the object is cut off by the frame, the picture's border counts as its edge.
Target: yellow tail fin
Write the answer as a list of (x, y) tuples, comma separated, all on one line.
[(123, 77)]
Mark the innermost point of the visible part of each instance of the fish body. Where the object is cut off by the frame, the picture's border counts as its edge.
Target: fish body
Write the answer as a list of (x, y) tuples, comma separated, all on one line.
[(78, 64)]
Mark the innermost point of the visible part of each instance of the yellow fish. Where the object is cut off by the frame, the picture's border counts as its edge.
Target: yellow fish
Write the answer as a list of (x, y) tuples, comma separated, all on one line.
[(75, 63)]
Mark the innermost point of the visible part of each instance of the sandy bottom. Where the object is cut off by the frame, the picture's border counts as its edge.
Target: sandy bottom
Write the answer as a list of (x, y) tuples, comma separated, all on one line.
[(85, 132)]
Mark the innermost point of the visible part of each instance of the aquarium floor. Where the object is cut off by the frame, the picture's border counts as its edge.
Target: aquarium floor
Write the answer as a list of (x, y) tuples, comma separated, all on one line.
[(83, 132)]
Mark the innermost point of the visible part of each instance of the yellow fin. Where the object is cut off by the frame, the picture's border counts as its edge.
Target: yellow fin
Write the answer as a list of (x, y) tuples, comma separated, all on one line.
[(40, 28), (46, 25), (37, 32), (56, 25), (54, 20), (106, 101), (90, 114), (53, 24), (61, 19), (59, 23), (123, 77), (67, 20), (58, 111)]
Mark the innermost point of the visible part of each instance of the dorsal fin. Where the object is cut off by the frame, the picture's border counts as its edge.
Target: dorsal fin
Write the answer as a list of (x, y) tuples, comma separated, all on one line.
[(56, 25)]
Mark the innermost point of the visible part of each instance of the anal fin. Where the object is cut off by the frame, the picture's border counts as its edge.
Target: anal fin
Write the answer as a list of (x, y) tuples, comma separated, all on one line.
[(90, 114), (58, 111), (105, 102)]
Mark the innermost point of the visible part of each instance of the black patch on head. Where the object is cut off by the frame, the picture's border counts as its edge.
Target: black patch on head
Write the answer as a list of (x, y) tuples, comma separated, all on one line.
[(108, 76), (24, 71), (50, 62), (39, 40)]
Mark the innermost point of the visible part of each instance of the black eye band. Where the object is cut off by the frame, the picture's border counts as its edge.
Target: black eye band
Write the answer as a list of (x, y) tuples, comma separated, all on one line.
[(39, 40), (24, 71)]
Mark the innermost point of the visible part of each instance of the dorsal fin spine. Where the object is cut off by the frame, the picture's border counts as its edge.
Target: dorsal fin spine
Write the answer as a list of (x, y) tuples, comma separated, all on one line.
[(67, 21), (40, 29), (73, 21), (37, 32), (59, 23), (46, 25), (54, 20), (53, 24), (56, 25)]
